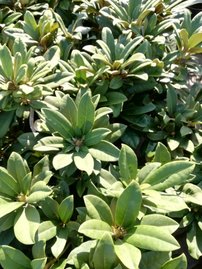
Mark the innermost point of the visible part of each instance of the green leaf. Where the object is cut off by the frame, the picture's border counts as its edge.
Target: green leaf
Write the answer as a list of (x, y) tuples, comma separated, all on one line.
[(6, 61), (58, 123), (86, 113), (128, 206), (39, 250), (156, 220), (143, 235), (154, 259), (194, 241), (13, 258), (6, 119), (38, 263), (127, 164), (38, 192), (105, 151), (8, 185), (26, 224), (95, 228), (195, 40), (46, 231), (162, 154), (108, 38), (97, 208), (95, 136), (176, 263), (169, 175), (8, 207), (61, 240), (171, 101), (84, 161), (104, 255), (62, 160), (49, 143), (128, 255), (18, 168), (69, 109), (66, 208)]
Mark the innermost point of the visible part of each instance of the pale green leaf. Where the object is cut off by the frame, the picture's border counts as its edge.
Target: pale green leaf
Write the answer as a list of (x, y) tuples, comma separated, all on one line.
[(105, 151), (176, 263), (46, 231), (84, 161), (62, 160)]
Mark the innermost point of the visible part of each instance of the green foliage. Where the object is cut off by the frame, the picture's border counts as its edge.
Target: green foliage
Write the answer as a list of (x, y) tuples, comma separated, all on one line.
[(100, 115)]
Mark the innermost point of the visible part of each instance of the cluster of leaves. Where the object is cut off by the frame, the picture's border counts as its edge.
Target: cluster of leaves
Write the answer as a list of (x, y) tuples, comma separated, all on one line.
[(100, 134)]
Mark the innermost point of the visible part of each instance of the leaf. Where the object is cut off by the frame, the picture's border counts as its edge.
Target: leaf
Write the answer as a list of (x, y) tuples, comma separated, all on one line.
[(6, 118), (38, 192), (162, 154), (176, 263), (86, 113), (171, 101), (95, 228), (69, 109), (170, 174), (49, 143), (66, 208), (58, 123), (97, 208), (108, 38), (104, 255), (156, 220), (84, 161), (95, 136), (128, 255), (195, 40), (39, 250), (61, 240), (8, 185), (26, 224), (194, 241), (38, 263), (127, 164), (143, 235), (62, 160), (105, 151), (46, 231), (128, 206), (17, 167), (13, 258), (6, 61), (154, 259), (8, 207)]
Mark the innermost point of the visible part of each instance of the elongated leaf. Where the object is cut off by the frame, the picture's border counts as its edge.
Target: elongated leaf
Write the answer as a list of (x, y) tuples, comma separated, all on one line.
[(58, 123), (108, 38), (128, 206), (95, 228), (154, 259), (104, 255), (38, 192), (61, 240), (162, 154), (84, 161), (194, 241), (13, 258), (17, 167), (62, 160), (86, 113), (49, 143), (69, 109), (161, 240), (8, 184), (46, 231), (128, 254), (8, 207), (176, 263), (97, 208), (195, 40), (5, 120), (171, 101), (38, 263), (170, 174), (26, 224), (6, 61), (105, 151), (95, 136), (127, 164), (169, 224), (184, 39), (65, 209)]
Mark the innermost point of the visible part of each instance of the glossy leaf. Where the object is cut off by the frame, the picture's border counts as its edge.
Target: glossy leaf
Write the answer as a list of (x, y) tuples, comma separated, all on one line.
[(84, 161), (162, 154), (46, 231), (65, 209), (8, 207), (62, 160), (61, 240), (176, 263), (8, 185), (105, 151)]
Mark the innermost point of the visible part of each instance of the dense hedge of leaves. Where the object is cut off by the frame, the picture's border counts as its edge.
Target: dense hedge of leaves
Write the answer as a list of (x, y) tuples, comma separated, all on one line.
[(100, 133)]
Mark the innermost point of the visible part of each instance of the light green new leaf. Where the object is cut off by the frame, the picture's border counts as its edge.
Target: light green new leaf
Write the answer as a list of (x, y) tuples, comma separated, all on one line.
[(86, 113), (46, 231), (58, 123), (127, 164), (26, 224), (84, 161), (128, 254), (195, 40), (62, 160), (169, 175), (13, 258), (156, 220), (38, 192), (8, 207), (104, 255), (6, 61), (143, 235), (17, 167), (38, 263), (8, 184), (97, 208), (176, 263), (66, 208), (105, 151), (128, 206), (95, 228)]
